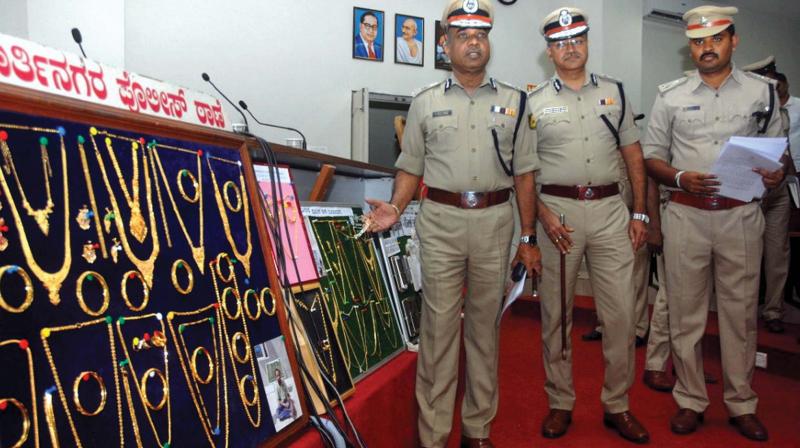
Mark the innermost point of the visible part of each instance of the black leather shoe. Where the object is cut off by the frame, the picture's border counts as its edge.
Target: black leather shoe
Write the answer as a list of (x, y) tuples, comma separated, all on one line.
[(593, 335), (640, 341)]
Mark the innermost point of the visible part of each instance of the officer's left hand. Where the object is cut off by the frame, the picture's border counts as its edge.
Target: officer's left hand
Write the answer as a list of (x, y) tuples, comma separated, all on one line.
[(637, 231), (530, 256), (771, 179), (381, 217)]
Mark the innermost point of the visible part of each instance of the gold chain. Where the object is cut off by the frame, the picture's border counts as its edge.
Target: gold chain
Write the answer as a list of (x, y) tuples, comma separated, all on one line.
[(92, 200), (137, 225), (52, 281), (324, 345), (244, 258)]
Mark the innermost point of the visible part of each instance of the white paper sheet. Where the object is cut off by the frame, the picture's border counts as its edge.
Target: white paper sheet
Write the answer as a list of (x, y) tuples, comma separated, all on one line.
[(734, 166)]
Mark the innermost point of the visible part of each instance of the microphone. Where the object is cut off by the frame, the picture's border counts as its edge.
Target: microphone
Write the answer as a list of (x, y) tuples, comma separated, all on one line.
[(76, 36), (246, 129), (244, 106)]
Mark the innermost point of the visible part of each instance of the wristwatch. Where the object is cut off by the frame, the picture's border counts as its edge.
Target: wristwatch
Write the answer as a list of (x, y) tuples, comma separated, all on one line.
[(641, 217), (528, 239)]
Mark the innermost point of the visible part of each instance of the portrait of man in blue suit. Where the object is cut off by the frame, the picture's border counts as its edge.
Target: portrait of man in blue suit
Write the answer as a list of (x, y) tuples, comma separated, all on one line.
[(368, 34)]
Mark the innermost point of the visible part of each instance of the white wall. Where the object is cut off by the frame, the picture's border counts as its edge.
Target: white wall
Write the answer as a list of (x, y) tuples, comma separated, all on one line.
[(622, 20)]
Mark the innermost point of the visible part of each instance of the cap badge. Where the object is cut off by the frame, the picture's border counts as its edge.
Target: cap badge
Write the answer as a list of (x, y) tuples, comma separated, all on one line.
[(704, 21), (470, 6), (565, 18)]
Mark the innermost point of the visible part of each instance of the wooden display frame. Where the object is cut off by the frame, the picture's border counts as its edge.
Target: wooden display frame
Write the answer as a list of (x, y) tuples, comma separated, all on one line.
[(19, 100)]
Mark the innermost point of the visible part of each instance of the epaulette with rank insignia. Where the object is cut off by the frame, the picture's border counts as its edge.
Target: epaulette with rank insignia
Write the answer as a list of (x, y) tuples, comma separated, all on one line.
[(666, 87), (505, 84), (606, 77), (761, 78), (539, 87), (428, 87)]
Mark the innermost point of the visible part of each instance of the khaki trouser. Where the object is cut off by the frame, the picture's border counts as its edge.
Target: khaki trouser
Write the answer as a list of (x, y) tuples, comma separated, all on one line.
[(457, 246), (777, 210), (601, 234), (641, 280), (723, 245), (658, 341)]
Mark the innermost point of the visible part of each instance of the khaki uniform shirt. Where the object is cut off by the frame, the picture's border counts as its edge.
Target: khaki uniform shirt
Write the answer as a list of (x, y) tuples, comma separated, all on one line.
[(690, 121), (449, 141), (575, 147)]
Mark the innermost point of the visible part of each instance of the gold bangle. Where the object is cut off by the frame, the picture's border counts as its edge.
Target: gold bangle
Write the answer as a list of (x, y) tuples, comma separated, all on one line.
[(240, 358), (225, 187), (186, 173), (179, 263), (76, 398), (224, 301), (250, 315), (146, 291), (14, 269), (26, 419), (268, 312), (195, 372), (254, 399), (91, 276), (151, 373), (218, 264)]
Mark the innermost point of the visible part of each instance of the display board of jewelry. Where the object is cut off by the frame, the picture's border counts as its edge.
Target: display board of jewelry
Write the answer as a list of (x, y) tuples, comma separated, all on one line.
[(400, 249), (135, 302), (354, 286)]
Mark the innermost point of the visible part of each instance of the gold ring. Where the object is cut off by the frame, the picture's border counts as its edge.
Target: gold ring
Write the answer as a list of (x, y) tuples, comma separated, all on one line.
[(145, 290), (268, 312), (76, 397), (254, 399), (224, 301), (186, 173), (26, 420), (227, 186), (240, 358), (92, 275), (12, 269), (195, 372), (250, 315), (150, 373), (178, 264), (218, 264)]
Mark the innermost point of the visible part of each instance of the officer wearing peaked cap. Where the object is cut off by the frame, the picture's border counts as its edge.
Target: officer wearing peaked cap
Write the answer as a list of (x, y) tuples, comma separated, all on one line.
[(708, 237), (469, 138), (583, 124)]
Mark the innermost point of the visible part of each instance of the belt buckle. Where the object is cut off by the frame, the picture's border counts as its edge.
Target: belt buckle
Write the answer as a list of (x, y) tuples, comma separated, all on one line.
[(470, 199), (588, 193), (714, 203)]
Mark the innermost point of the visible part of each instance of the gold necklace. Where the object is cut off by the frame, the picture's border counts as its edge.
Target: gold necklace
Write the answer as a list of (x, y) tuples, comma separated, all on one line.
[(324, 344), (52, 281), (126, 384), (141, 386), (90, 188), (247, 403), (183, 357), (244, 258), (48, 332), (198, 250), (23, 345), (42, 215), (145, 266), (136, 223)]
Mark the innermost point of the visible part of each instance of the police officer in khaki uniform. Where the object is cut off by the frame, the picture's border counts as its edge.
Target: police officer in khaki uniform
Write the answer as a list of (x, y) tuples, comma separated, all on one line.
[(777, 211), (582, 121), (705, 235), (470, 139)]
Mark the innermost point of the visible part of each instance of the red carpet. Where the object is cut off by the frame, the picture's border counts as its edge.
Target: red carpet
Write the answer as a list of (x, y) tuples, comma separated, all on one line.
[(384, 409)]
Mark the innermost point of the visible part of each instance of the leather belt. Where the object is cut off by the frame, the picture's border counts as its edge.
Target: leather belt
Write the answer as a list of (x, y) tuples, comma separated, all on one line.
[(581, 192), (705, 202), (469, 199)]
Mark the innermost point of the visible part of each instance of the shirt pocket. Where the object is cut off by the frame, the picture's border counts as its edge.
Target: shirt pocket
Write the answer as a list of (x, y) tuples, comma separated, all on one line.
[(441, 133), (612, 114), (745, 122), (554, 129), (690, 123), (501, 126)]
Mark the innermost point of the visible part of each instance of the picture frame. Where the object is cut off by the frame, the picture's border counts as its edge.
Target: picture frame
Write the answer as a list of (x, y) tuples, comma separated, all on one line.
[(441, 60), (367, 32), (409, 34)]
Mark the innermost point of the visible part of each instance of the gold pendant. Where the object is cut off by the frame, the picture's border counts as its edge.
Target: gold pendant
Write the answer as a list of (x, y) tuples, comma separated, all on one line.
[(137, 225), (89, 252), (3, 239), (84, 218), (116, 248), (42, 218), (107, 220), (199, 255)]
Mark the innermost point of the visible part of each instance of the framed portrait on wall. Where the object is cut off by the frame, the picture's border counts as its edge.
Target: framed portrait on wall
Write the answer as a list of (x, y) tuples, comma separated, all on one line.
[(367, 30), (409, 33), (442, 60)]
